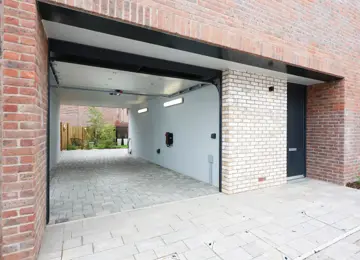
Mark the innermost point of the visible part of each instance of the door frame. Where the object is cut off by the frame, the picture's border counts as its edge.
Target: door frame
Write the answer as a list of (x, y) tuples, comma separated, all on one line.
[(304, 132)]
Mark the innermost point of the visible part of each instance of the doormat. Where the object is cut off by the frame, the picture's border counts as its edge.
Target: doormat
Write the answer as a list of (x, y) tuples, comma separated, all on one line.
[(173, 256)]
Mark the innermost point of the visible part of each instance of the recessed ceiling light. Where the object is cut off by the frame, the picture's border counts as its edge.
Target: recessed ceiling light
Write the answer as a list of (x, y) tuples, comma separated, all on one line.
[(174, 102), (143, 110)]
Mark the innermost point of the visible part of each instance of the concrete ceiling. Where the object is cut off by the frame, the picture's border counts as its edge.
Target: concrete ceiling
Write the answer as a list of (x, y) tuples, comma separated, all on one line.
[(99, 99), (91, 86), (80, 76)]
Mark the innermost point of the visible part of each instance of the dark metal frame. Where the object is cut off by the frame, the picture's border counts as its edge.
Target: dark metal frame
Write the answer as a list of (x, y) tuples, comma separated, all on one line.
[(98, 57), (218, 84), (48, 146), (305, 128)]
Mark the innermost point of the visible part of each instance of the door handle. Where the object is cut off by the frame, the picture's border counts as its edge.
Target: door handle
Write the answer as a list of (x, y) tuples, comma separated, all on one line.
[(292, 149)]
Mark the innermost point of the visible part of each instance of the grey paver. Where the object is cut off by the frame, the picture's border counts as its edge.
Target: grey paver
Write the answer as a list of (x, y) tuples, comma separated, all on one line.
[(75, 242), (149, 244), (100, 182), (276, 223), (237, 253), (77, 252), (147, 255), (107, 244), (199, 253)]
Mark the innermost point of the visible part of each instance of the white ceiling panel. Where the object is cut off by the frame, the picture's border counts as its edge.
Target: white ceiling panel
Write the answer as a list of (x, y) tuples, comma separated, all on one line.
[(106, 41), (80, 76), (98, 99)]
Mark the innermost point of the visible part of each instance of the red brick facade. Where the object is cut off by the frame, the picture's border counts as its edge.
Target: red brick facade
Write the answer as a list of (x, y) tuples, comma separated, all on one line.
[(321, 35), (325, 132), (23, 130), (79, 116)]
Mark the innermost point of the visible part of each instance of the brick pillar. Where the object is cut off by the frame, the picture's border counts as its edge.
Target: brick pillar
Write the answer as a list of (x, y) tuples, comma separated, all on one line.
[(325, 132), (24, 105), (352, 126), (1, 118), (254, 128)]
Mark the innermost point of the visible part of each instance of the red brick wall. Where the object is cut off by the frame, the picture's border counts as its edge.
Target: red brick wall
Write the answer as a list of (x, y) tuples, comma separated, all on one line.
[(352, 124), (79, 116), (41, 81), (325, 132), (296, 31), (24, 93), (1, 116)]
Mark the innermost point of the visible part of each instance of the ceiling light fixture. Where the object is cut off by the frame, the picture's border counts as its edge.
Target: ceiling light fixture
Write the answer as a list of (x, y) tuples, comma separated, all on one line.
[(117, 92), (174, 102), (143, 110)]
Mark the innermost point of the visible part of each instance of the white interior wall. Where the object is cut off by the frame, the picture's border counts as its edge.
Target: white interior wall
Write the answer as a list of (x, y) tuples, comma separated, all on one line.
[(54, 122), (192, 124)]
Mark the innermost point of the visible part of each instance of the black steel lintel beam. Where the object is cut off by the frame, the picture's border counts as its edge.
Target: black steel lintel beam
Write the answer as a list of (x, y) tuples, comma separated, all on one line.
[(59, 14), (53, 74), (98, 57)]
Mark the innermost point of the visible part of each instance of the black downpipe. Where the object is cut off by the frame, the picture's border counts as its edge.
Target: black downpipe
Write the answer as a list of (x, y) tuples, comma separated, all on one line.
[(305, 128), (48, 146), (218, 84)]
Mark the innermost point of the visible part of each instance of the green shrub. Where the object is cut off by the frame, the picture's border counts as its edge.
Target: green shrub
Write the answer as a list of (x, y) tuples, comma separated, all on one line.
[(110, 146), (71, 147), (108, 133), (106, 144), (96, 124), (100, 146), (122, 146)]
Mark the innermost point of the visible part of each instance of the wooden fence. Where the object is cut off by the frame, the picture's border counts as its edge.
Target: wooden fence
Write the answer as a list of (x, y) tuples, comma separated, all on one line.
[(72, 135)]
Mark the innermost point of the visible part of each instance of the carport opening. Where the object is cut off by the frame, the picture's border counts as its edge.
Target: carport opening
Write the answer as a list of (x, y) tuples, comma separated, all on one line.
[(173, 142)]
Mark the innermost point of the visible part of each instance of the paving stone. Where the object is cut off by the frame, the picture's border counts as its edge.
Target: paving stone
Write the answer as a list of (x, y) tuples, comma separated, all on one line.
[(107, 244), (302, 245), (222, 245), (341, 250), (265, 224), (237, 253), (77, 252), (85, 184), (180, 235), (178, 247), (75, 242), (256, 248), (148, 244), (199, 253), (125, 252), (96, 237), (147, 255)]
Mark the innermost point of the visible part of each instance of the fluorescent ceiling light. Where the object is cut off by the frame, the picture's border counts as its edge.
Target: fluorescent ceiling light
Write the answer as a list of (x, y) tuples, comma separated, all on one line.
[(174, 102), (143, 110)]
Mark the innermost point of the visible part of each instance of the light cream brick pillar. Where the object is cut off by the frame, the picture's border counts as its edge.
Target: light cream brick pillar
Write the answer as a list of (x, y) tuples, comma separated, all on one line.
[(254, 130)]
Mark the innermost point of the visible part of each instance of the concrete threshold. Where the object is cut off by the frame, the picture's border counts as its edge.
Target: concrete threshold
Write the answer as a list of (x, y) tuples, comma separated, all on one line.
[(131, 210)]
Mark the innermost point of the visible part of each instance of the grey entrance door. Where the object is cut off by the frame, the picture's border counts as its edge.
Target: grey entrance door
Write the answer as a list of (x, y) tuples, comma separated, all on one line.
[(296, 130)]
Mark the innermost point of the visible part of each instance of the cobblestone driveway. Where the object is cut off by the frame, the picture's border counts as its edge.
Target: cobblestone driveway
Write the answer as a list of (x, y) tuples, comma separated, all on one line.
[(99, 182), (272, 224)]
